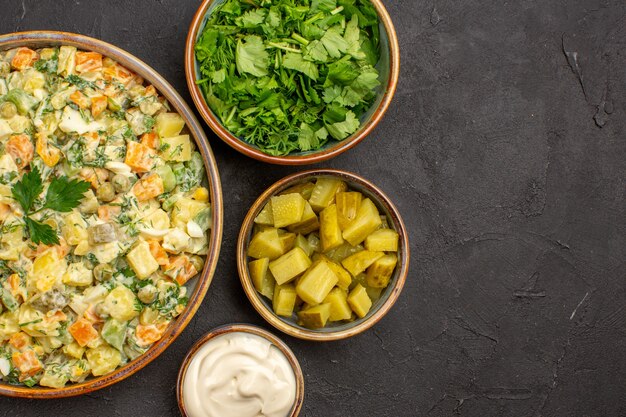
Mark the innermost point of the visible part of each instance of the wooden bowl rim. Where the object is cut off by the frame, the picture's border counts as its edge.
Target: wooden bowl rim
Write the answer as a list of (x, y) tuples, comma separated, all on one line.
[(43, 38), (359, 325), (243, 328), (305, 159)]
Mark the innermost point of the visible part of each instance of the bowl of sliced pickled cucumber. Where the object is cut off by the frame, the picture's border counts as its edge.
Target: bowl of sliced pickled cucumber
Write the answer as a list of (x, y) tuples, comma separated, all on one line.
[(323, 255)]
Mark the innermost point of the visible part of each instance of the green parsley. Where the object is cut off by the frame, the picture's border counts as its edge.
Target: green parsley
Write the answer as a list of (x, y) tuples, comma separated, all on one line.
[(290, 75), (63, 195)]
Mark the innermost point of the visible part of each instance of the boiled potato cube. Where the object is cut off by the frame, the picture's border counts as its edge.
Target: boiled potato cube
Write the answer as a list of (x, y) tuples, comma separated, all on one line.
[(315, 317), (265, 217), (330, 233), (169, 124), (74, 228), (287, 209), (309, 222), (316, 283), (323, 194), (284, 300), (141, 260), (367, 220), (103, 359), (289, 266), (348, 204), (120, 304), (77, 275), (186, 209), (379, 273), (176, 148), (360, 261), (303, 189), (339, 307), (266, 244), (382, 240), (359, 301)]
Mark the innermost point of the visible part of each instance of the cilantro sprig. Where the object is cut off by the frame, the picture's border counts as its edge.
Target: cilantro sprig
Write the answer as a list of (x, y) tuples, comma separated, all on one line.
[(63, 195), (290, 75)]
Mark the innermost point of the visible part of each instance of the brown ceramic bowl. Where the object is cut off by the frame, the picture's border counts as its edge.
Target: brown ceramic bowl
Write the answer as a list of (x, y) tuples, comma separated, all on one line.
[(42, 39), (332, 331), (244, 328), (388, 66)]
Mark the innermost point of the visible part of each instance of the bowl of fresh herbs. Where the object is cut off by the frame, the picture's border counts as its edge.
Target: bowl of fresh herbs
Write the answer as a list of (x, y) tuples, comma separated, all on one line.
[(292, 82)]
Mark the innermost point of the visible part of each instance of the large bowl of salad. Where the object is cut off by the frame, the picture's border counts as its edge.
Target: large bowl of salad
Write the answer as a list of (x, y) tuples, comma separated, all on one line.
[(110, 214), (292, 82)]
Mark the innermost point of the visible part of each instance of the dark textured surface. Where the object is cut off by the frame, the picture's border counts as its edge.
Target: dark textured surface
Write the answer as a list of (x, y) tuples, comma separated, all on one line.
[(513, 195)]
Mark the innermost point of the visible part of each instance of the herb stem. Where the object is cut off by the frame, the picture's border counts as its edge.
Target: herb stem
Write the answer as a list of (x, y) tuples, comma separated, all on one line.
[(231, 115), (300, 39), (337, 10), (284, 48)]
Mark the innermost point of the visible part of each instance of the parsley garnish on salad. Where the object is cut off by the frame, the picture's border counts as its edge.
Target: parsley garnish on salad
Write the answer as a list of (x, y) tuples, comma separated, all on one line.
[(63, 195), (290, 75)]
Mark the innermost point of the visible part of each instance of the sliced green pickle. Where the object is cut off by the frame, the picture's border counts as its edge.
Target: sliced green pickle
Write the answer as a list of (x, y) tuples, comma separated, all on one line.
[(262, 279), (266, 244), (348, 204), (342, 252), (287, 209), (360, 261), (379, 273), (289, 266), (316, 283), (359, 301), (303, 189), (343, 276), (330, 233), (288, 240), (309, 222), (339, 307), (265, 217), (315, 317), (302, 243), (367, 220), (382, 240), (284, 300), (323, 194)]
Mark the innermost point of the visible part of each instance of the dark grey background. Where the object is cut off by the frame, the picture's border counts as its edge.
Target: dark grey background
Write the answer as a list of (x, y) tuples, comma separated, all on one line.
[(513, 195)]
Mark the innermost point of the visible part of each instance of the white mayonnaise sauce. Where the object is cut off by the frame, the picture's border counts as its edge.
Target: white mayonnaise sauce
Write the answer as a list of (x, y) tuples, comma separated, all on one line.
[(239, 374)]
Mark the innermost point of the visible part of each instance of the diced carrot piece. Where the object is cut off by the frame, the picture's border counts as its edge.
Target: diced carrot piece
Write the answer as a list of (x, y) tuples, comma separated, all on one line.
[(98, 105), (92, 316), (118, 73), (181, 269), (95, 176), (139, 157), (27, 363), (80, 99), (150, 91), (21, 150), (57, 316), (158, 252), (83, 331), (5, 210), (148, 334), (107, 213), (20, 340), (148, 187), (62, 248), (24, 58), (88, 61), (49, 154), (150, 139)]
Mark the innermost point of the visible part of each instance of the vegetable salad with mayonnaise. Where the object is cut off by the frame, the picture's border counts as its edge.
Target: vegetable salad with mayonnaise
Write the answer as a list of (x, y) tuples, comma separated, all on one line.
[(103, 215)]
